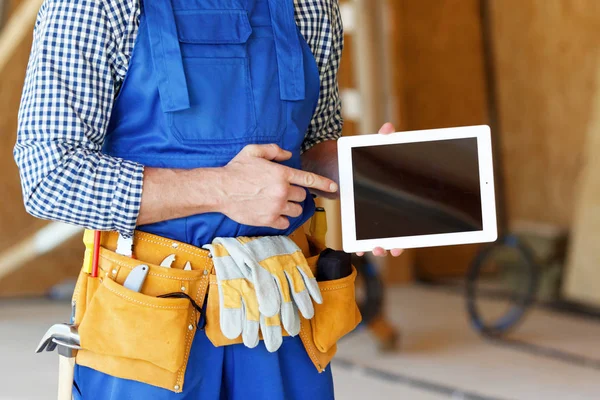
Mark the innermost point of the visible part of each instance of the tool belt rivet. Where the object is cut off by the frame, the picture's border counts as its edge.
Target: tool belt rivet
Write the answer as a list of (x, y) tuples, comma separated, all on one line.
[(205, 272), (191, 327), (175, 245), (176, 387), (114, 271), (183, 288)]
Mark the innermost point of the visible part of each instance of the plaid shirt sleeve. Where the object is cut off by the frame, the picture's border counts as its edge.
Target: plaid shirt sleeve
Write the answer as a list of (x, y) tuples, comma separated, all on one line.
[(75, 66), (321, 24)]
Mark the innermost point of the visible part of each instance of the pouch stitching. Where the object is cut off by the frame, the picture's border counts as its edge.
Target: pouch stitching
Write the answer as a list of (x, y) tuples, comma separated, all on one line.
[(340, 286), (187, 338), (145, 304), (186, 354), (163, 242), (304, 336), (198, 292), (335, 288), (185, 249), (119, 263)]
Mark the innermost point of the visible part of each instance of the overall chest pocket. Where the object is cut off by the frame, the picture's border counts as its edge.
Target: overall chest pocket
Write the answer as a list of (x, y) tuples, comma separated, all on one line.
[(215, 60)]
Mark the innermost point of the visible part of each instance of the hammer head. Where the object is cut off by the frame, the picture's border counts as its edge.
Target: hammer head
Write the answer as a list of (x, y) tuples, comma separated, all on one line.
[(63, 335)]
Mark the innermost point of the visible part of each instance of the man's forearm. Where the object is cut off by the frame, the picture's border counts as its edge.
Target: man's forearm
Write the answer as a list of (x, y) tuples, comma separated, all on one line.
[(177, 193)]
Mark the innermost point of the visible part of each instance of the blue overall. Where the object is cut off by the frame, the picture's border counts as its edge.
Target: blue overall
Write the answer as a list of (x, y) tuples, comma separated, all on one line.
[(206, 78)]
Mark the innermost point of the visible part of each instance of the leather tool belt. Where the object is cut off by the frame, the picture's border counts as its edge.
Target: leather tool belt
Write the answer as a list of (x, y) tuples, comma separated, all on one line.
[(147, 338)]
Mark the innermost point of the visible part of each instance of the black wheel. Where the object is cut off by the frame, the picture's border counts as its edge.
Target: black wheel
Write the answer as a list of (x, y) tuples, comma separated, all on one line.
[(501, 285)]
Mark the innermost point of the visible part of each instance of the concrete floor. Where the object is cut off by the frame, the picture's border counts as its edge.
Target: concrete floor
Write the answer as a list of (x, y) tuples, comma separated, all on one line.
[(441, 356)]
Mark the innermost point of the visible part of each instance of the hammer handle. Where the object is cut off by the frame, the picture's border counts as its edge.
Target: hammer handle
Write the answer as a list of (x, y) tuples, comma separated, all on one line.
[(66, 370)]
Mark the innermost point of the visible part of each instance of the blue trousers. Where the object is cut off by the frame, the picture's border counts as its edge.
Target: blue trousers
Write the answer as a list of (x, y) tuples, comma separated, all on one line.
[(217, 373)]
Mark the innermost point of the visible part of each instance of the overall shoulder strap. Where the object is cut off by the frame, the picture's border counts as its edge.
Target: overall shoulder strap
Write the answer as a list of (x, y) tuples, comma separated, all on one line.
[(166, 54), (290, 60)]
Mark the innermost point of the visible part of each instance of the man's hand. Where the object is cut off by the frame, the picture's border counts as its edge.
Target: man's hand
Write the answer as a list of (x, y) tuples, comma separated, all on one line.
[(252, 190), (256, 191), (386, 129)]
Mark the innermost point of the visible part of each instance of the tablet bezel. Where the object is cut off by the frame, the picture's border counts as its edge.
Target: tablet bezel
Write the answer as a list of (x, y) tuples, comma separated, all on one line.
[(486, 176)]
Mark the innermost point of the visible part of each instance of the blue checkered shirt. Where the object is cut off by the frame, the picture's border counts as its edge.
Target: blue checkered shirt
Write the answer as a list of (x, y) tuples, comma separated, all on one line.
[(80, 55)]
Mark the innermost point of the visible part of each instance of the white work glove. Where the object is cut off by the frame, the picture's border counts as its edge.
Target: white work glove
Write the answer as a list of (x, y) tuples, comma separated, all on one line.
[(272, 265), (238, 307)]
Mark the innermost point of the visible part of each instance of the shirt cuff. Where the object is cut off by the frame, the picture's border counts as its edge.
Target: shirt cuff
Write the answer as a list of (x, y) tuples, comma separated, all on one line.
[(127, 197), (331, 132)]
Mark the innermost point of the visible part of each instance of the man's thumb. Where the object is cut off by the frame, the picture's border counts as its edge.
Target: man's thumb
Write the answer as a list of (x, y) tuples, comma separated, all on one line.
[(387, 128)]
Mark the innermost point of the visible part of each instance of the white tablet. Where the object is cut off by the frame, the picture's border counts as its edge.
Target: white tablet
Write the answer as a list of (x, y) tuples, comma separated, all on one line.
[(417, 189)]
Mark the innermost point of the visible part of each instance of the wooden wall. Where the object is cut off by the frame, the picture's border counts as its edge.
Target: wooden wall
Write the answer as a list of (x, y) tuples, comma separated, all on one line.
[(15, 223), (440, 83), (441, 73), (548, 58), (547, 55), (583, 275)]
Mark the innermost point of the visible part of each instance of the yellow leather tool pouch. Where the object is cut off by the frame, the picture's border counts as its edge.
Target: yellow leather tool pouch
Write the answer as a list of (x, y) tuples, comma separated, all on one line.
[(122, 323), (338, 315), (141, 336)]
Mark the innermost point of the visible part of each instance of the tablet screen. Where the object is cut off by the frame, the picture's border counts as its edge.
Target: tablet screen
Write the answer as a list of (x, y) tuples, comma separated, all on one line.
[(412, 189)]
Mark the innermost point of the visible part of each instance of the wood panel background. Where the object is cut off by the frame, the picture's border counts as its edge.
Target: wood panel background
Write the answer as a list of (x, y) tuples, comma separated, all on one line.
[(440, 82), (441, 74), (15, 224), (582, 274), (546, 60), (546, 54)]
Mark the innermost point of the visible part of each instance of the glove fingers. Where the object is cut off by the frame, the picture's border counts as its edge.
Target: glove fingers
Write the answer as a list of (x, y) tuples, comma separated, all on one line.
[(295, 326), (265, 287), (250, 332), (267, 274), (271, 332), (231, 322), (287, 309), (230, 287), (311, 285), (267, 291), (230, 318), (290, 318), (302, 300)]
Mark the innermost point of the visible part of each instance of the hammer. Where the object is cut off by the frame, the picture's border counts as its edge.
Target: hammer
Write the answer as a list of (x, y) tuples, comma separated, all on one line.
[(66, 338)]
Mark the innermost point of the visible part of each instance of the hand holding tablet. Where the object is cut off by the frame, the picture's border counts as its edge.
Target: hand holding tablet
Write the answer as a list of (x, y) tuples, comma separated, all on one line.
[(417, 189)]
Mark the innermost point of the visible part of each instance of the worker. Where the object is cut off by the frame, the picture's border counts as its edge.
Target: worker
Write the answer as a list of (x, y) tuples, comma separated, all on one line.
[(189, 120)]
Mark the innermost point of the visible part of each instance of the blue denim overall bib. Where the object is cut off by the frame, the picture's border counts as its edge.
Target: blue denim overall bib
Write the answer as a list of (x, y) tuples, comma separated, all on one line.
[(206, 78)]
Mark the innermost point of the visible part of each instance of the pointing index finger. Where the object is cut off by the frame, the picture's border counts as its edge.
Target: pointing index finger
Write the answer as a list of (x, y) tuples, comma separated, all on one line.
[(313, 181)]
